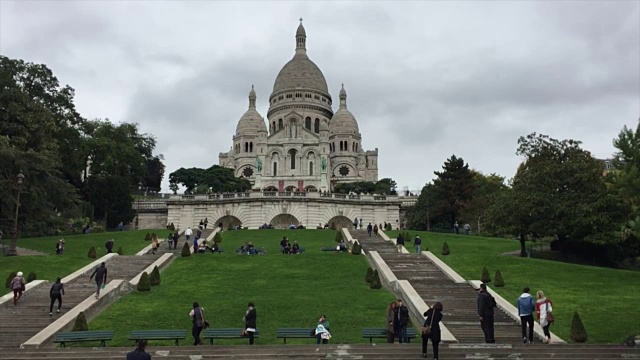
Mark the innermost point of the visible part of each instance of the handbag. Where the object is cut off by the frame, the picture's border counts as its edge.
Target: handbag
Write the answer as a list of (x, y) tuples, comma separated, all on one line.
[(205, 323), (22, 287), (550, 317), (426, 330)]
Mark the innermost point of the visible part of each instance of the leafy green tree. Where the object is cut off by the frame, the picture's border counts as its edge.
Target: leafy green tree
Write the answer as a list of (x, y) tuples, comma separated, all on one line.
[(32, 276), (375, 280), (92, 253), (213, 179), (111, 198), (445, 249), (155, 172), (186, 251), (456, 185), (486, 188)]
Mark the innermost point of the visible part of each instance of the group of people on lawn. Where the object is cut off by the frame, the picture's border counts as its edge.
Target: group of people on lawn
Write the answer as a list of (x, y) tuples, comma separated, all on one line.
[(287, 248)]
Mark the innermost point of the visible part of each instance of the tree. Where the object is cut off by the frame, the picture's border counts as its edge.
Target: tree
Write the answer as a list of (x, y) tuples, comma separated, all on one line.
[(498, 281), (145, 283), (445, 249), (485, 278), (92, 253), (338, 237), (375, 280), (111, 198), (81, 323), (356, 249), (486, 188), (384, 186), (456, 186), (217, 238), (369, 276), (186, 251), (578, 331), (213, 179), (154, 278), (155, 172)]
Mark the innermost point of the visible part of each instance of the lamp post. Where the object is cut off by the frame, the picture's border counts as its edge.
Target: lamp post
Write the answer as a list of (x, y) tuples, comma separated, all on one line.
[(14, 241), (138, 203)]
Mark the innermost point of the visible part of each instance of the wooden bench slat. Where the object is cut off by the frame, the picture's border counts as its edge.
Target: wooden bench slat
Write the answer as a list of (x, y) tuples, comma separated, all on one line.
[(170, 334), (294, 333), (226, 333)]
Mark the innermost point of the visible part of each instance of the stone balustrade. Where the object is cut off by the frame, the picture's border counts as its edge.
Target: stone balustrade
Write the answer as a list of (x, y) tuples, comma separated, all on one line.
[(283, 194)]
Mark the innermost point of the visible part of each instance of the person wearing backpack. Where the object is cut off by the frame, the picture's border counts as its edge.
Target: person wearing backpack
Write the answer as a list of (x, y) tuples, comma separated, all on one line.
[(486, 303), (417, 242), (526, 305)]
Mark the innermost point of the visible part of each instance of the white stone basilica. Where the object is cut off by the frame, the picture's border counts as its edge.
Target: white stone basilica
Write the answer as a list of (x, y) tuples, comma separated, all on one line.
[(307, 147)]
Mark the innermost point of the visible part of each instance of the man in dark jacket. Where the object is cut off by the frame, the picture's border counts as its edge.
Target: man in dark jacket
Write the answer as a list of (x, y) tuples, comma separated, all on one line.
[(250, 322), (403, 320), (56, 292), (101, 277), (109, 246), (400, 241), (486, 303), (139, 353)]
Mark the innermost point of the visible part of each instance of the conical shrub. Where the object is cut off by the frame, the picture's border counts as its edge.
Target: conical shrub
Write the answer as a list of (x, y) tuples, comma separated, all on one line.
[(31, 277), (11, 276), (485, 278), (375, 282), (369, 277), (217, 238), (147, 237), (339, 236), (578, 332), (120, 250), (154, 236), (497, 280), (81, 323), (445, 249), (92, 253), (186, 251), (407, 237), (154, 278), (144, 284), (356, 249)]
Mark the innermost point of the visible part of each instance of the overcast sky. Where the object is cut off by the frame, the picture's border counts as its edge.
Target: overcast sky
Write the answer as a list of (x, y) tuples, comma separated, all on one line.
[(425, 80)]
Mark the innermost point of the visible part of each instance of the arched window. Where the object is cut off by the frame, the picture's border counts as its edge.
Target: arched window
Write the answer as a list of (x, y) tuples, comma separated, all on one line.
[(292, 155), (275, 168), (307, 123), (246, 147), (316, 126), (280, 124), (274, 126), (340, 145), (251, 146), (310, 168)]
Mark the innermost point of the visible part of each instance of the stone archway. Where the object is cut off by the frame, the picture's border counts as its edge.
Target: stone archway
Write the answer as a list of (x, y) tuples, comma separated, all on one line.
[(283, 221), (341, 222), (228, 222)]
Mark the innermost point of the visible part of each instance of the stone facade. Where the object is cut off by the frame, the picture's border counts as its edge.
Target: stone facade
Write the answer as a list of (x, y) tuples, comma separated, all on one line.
[(281, 209), (306, 146)]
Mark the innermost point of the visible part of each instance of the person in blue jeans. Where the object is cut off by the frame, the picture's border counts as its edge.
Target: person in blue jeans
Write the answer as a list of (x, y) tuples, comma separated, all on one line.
[(417, 242), (403, 320)]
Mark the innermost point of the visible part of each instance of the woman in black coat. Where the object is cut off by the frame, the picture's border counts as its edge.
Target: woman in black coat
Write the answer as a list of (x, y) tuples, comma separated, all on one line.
[(250, 322), (433, 317)]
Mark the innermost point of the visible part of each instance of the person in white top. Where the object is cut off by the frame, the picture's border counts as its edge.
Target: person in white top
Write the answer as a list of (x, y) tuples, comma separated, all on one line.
[(188, 233)]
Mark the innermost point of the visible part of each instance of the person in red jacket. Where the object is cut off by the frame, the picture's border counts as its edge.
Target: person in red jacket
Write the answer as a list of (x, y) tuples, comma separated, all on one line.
[(544, 311)]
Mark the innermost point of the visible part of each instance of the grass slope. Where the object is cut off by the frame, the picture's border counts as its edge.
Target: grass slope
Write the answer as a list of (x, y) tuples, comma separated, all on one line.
[(49, 267), (605, 298), (288, 290)]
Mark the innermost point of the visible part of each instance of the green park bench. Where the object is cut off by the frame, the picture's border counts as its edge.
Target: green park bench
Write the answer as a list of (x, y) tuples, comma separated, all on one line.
[(381, 333), (295, 333), (81, 336), (220, 250), (226, 333), (158, 335)]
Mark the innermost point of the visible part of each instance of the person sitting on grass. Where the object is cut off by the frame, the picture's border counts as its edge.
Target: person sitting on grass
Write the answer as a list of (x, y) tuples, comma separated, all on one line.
[(295, 249), (243, 248), (292, 226), (284, 245), (251, 250), (342, 246)]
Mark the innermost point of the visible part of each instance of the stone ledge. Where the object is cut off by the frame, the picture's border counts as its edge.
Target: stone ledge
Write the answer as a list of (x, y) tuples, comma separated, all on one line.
[(161, 261), (452, 274), (512, 311), (418, 307), (32, 285), (347, 236), (386, 275), (147, 248), (90, 306), (87, 268)]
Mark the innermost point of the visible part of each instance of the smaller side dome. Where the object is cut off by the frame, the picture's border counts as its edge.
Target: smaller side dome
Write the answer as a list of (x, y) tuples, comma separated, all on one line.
[(251, 121), (343, 121)]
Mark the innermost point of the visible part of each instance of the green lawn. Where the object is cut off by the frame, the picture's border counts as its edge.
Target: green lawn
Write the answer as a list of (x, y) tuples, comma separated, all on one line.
[(288, 291), (607, 299), (49, 267)]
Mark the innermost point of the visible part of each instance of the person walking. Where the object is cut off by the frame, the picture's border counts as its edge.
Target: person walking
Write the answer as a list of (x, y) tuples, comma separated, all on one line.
[(101, 278), (187, 233), (369, 229), (206, 222), (433, 317), (391, 318), (18, 286), (375, 230), (139, 353), (417, 242), (250, 318), (197, 313), (486, 303), (456, 228), (56, 292), (403, 320), (176, 237), (400, 241), (526, 306), (544, 311), (109, 246)]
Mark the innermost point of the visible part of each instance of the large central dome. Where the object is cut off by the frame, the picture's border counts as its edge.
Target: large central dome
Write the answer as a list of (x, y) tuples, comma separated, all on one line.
[(300, 72)]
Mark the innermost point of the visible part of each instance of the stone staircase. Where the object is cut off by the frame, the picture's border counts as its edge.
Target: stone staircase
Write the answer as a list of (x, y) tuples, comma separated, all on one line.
[(359, 351), (459, 300), (31, 315), (373, 243)]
